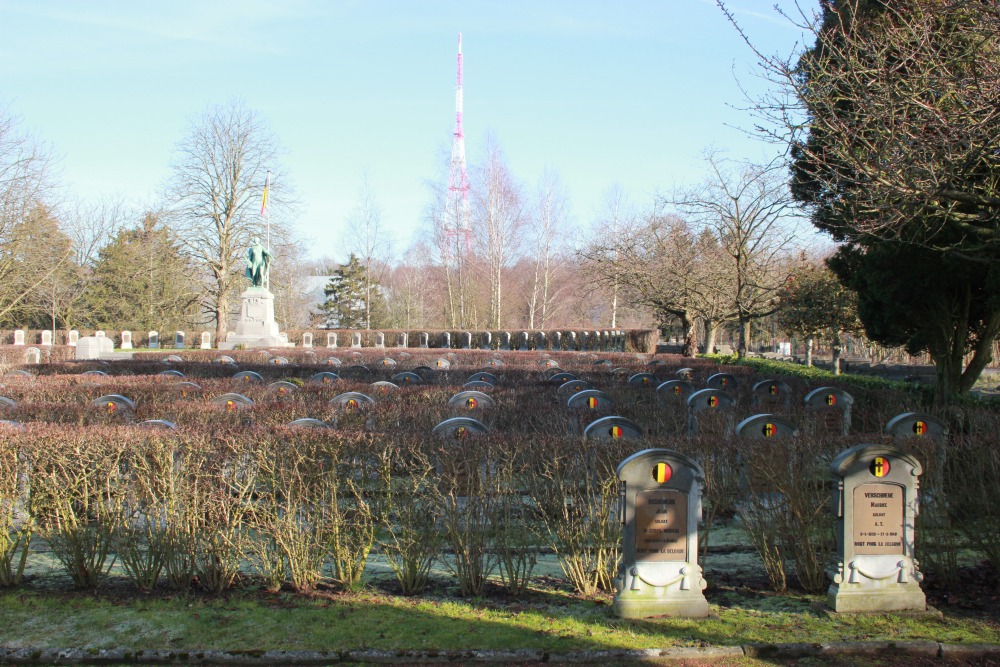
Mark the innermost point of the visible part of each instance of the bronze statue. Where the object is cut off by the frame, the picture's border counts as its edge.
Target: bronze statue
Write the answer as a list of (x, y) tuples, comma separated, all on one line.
[(258, 262)]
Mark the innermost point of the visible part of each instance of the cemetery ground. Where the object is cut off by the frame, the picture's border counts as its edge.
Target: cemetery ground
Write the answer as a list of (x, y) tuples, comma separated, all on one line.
[(82, 593)]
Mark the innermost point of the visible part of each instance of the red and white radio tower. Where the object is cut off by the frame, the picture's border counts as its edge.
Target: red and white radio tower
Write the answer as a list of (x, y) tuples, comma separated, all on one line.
[(457, 231)]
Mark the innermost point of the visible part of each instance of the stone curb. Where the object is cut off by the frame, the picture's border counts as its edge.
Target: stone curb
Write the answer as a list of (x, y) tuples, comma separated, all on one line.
[(931, 649)]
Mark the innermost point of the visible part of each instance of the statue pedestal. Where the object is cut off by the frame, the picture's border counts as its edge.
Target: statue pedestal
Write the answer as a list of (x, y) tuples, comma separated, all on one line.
[(256, 327)]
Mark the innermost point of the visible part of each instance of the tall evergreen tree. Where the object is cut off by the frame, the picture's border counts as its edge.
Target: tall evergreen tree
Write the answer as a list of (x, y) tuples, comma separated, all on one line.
[(346, 306)]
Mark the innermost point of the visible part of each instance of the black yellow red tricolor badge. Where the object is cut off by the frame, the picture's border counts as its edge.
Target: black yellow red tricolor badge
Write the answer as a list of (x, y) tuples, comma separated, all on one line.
[(831, 399), (592, 402), (769, 430), (919, 427), (713, 401), (662, 473), (471, 403), (879, 466), (772, 389), (616, 431)]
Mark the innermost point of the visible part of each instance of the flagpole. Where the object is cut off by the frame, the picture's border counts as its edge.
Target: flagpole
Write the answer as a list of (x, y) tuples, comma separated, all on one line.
[(266, 212)]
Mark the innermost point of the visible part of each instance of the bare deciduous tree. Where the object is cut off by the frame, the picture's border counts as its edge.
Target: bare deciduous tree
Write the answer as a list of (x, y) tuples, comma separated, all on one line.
[(550, 217), (368, 242), (215, 193)]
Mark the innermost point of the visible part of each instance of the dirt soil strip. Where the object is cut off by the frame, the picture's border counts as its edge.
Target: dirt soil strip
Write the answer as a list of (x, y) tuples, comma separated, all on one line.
[(927, 649)]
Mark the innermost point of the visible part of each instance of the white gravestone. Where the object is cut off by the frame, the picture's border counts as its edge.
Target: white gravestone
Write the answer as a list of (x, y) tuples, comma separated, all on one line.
[(19, 337), (46, 337), (307, 339), (379, 339), (32, 356), (72, 337), (424, 340), (356, 339), (154, 340), (206, 340), (100, 334), (446, 340), (331, 340), (126, 340), (401, 339), (505, 340), (179, 339)]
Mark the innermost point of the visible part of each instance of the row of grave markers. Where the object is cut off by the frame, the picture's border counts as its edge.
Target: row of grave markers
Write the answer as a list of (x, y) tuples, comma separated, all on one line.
[(601, 341)]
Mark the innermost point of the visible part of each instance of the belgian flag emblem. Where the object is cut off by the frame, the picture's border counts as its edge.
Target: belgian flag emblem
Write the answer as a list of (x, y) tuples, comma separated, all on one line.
[(772, 389), (461, 432), (769, 429), (645, 380), (723, 381), (351, 404), (678, 390), (616, 431), (879, 466), (110, 406), (230, 405), (282, 391), (662, 473), (471, 403), (592, 402), (919, 427), (713, 401), (831, 399)]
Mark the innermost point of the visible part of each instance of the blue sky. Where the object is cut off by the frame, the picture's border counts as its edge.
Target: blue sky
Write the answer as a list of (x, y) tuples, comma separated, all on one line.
[(602, 92)]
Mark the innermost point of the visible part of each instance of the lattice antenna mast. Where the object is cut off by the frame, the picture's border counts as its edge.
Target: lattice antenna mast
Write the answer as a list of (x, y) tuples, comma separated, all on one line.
[(457, 221)]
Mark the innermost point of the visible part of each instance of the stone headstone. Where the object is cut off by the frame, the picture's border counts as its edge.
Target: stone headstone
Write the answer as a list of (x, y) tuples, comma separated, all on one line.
[(232, 402), (331, 340), (206, 340), (471, 401), (876, 508), (154, 340), (459, 428), (46, 337), (406, 377), (466, 340), (32, 356), (772, 393), (487, 340), (723, 381), (379, 339), (179, 340), (522, 340), (446, 340), (561, 377), (584, 340), (352, 401), (571, 341), (613, 428), (100, 334), (643, 381), (356, 339), (917, 425), (659, 574), (505, 340), (540, 340), (383, 388), (307, 339), (590, 399), (402, 339), (88, 347), (484, 376), (684, 374), (675, 389), (555, 342), (72, 337), (830, 410), (708, 402), (765, 427), (308, 422), (247, 377), (424, 339), (324, 377), (570, 387), (114, 404), (19, 337), (126, 340)]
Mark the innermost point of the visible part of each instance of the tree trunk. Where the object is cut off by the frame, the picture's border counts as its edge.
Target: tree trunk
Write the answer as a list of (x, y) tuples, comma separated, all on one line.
[(221, 317), (809, 352), (744, 343), (690, 348), (711, 330), (836, 348)]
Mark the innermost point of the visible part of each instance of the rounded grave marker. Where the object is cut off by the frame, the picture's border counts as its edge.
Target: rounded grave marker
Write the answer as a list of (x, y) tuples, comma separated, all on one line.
[(172, 359), (186, 388), (224, 359), (383, 388), (352, 401), (7, 403), (471, 400), (459, 428), (679, 389), (710, 399), (771, 391), (494, 363), (114, 403), (484, 376), (613, 428), (643, 380), (407, 377), (548, 363), (232, 401), (325, 377), (570, 387), (477, 385), (603, 362), (333, 361), (282, 388), (94, 373), (388, 363), (277, 361), (172, 373), (765, 426), (684, 373), (561, 378), (590, 399), (917, 425), (248, 377), (442, 364), (825, 397), (356, 370), (721, 381)]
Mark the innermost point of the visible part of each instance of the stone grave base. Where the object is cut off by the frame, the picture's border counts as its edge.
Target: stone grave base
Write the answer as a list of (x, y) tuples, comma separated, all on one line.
[(908, 599), (256, 327), (928, 612), (649, 606)]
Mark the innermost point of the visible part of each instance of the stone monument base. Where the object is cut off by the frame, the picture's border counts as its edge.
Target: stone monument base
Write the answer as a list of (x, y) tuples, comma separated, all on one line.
[(855, 599), (256, 327)]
